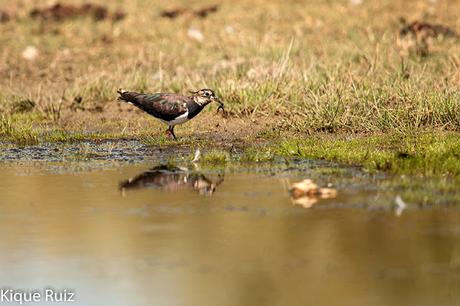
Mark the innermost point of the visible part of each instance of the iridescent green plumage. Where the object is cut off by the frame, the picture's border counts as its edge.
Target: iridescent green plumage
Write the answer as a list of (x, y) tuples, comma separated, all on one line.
[(171, 108)]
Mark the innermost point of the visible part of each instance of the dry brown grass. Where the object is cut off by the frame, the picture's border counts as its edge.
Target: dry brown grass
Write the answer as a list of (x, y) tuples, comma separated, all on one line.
[(297, 66)]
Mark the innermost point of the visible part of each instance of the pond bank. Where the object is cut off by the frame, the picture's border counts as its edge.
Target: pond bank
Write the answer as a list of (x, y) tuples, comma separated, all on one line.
[(428, 153)]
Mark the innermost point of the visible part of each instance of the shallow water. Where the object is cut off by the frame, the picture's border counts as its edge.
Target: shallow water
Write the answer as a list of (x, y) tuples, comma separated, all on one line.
[(115, 234)]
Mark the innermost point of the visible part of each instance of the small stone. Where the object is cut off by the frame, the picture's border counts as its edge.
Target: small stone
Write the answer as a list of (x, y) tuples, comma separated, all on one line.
[(356, 2), (195, 34), (229, 30), (30, 53)]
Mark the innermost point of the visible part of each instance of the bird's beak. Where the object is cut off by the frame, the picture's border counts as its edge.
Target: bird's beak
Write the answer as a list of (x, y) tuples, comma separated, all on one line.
[(221, 104)]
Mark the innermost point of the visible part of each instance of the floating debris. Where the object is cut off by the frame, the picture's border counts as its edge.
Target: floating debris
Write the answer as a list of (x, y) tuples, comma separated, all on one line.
[(195, 34), (306, 193), (308, 187), (400, 206), (179, 11), (417, 36), (59, 12), (30, 53)]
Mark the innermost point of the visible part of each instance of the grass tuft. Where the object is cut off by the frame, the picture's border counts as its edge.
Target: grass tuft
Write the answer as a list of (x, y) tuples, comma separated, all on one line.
[(426, 154), (215, 157)]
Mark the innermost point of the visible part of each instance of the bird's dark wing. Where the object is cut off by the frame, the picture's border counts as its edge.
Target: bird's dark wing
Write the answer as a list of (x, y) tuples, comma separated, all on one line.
[(164, 177), (165, 106)]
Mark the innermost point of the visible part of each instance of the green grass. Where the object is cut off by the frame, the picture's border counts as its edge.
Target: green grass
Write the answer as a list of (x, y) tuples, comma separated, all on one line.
[(425, 154), (324, 78), (265, 153), (20, 133), (215, 157), (326, 67)]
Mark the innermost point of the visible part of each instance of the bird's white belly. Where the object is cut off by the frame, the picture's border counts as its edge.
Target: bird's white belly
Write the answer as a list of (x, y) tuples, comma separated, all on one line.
[(179, 120)]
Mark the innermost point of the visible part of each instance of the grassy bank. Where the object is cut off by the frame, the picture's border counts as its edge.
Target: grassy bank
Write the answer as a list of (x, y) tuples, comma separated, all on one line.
[(429, 152), (422, 154), (317, 79), (426, 154)]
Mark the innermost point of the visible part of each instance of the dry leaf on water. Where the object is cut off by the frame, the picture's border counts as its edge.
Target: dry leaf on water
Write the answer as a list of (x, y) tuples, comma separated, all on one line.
[(307, 193)]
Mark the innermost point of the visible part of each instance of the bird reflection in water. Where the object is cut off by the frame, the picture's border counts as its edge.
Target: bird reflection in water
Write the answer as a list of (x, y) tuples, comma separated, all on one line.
[(171, 178)]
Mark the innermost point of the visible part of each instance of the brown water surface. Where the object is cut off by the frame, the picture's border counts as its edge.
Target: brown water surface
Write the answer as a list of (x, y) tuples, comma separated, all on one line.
[(117, 235)]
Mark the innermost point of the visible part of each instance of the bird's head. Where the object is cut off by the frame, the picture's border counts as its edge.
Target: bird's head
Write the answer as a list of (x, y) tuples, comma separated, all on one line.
[(206, 96)]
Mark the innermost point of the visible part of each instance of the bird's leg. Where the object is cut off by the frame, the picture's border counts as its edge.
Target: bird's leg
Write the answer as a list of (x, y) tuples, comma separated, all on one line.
[(171, 130)]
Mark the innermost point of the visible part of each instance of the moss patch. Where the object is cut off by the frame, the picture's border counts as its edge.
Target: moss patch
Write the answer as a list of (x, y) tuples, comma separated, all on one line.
[(432, 153)]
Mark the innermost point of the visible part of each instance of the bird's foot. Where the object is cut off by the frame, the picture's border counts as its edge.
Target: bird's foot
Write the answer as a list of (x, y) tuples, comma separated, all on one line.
[(170, 134)]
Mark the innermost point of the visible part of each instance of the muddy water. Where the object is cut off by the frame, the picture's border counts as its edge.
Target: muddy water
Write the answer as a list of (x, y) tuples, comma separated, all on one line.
[(139, 234)]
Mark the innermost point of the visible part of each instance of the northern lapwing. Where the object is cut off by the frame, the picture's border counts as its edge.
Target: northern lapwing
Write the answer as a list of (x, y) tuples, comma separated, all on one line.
[(172, 109), (171, 178)]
